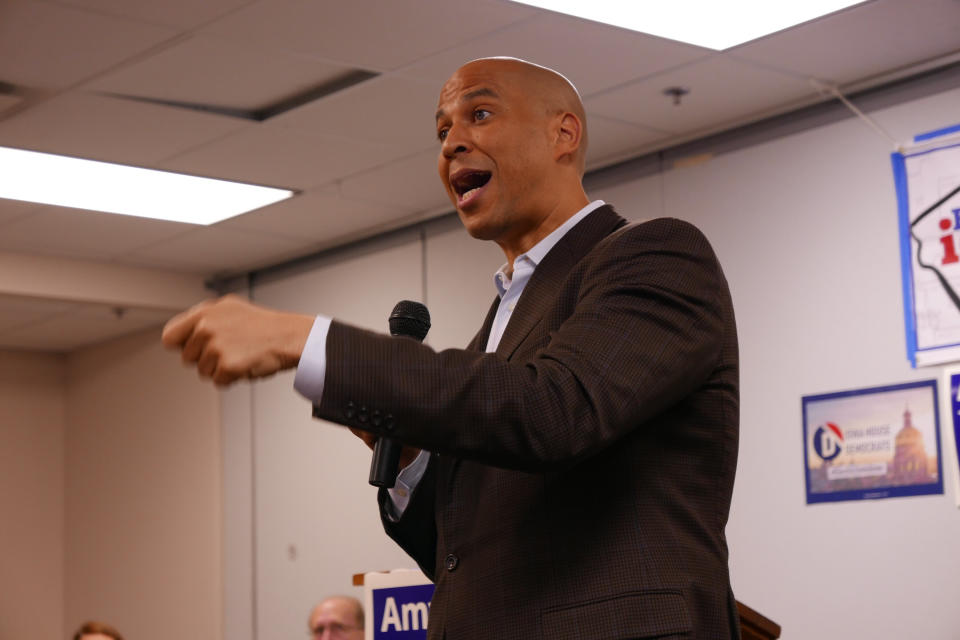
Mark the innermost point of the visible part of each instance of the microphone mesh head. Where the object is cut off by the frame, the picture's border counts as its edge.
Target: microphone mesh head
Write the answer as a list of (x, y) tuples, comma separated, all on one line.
[(411, 319)]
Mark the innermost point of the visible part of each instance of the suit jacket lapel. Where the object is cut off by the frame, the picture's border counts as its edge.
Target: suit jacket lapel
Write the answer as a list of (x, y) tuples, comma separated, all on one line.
[(479, 342), (447, 465), (549, 275), (537, 295)]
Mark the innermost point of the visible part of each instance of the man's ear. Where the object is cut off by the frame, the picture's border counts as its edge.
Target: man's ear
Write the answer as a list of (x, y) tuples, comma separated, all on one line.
[(569, 135)]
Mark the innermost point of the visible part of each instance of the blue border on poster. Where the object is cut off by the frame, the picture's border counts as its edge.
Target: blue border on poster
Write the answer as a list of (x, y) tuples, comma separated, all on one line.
[(906, 271), (955, 415), (874, 492), (898, 160), (936, 133)]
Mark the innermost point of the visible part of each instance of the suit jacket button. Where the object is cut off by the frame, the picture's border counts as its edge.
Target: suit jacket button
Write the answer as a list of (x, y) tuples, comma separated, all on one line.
[(451, 562), (350, 411), (362, 415), (376, 419), (388, 423)]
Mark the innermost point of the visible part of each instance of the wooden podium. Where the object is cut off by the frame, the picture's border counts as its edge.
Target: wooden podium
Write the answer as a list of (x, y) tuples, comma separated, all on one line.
[(754, 626)]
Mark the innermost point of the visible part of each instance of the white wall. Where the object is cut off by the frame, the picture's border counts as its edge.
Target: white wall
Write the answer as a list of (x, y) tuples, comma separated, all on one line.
[(143, 494), (32, 426), (806, 228), (110, 495)]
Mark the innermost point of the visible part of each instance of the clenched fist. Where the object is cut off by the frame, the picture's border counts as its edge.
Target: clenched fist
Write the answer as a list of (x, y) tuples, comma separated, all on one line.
[(231, 338)]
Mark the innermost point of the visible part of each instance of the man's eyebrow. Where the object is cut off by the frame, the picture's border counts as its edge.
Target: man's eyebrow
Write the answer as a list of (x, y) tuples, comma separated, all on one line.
[(483, 91), (467, 97)]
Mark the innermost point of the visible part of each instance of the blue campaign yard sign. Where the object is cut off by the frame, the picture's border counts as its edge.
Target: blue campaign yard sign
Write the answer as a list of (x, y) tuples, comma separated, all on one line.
[(401, 613)]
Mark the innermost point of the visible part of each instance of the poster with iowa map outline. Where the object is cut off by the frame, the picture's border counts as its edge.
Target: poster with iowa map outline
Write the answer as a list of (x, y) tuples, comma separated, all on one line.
[(928, 196)]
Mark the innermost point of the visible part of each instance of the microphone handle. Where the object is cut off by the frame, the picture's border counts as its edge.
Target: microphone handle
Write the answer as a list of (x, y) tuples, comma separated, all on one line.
[(385, 463)]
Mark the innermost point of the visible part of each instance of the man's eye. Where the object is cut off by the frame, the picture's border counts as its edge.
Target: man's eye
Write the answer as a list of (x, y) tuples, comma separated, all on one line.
[(442, 134), (480, 114)]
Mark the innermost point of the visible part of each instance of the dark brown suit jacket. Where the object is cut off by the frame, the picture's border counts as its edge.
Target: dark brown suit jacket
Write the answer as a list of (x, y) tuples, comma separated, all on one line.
[(582, 474)]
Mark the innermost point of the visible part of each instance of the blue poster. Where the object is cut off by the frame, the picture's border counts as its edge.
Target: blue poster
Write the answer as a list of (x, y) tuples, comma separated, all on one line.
[(951, 389), (880, 442), (401, 613)]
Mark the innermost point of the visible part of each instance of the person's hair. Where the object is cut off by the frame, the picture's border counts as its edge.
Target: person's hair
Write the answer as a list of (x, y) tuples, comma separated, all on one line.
[(358, 612), (355, 605), (97, 627)]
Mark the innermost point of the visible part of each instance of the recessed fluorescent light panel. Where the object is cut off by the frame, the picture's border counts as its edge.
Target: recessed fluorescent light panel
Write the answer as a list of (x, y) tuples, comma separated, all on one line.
[(132, 191), (713, 24)]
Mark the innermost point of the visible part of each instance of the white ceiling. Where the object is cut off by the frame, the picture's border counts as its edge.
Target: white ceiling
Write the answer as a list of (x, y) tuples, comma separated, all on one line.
[(363, 158)]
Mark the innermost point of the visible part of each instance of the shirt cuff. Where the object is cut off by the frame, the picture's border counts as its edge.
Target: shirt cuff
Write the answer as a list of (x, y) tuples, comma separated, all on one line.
[(312, 369), (407, 481)]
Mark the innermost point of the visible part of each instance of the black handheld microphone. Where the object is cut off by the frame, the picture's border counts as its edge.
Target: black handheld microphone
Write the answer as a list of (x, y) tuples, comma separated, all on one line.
[(409, 319)]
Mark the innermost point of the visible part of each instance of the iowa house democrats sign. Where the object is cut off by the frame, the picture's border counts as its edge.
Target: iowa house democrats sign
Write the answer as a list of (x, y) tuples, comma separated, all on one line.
[(880, 442)]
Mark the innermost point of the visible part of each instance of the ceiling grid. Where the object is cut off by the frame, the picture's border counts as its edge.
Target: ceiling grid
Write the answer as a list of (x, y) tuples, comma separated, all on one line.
[(176, 85)]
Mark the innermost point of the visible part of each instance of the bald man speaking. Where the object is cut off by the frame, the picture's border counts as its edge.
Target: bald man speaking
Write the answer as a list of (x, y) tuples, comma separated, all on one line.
[(571, 469)]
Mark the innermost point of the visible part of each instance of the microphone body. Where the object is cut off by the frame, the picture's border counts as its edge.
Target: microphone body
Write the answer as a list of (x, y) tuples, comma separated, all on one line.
[(410, 319)]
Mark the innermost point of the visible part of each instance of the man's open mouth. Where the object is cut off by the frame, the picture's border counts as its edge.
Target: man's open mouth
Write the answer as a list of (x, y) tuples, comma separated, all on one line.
[(467, 181)]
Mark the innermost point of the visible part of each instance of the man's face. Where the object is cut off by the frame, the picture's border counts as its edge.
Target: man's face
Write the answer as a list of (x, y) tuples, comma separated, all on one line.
[(334, 619), (495, 155)]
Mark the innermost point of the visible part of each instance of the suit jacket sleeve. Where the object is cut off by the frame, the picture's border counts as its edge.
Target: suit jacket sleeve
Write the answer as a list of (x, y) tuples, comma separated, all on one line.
[(623, 334)]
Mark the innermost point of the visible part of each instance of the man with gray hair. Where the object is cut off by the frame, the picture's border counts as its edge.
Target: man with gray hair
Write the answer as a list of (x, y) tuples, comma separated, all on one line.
[(337, 618)]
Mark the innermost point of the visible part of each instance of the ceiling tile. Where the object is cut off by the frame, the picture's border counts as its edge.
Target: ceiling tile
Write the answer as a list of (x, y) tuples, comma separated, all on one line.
[(208, 71), (371, 34), (14, 209), (869, 39), (110, 129), (593, 56), (184, 14), (721, 91), (217, 250), (610, 140), (411, 183), (81, 326), (321, 216), (51, 46), (18, 311), (7, 101), (393, 111), (80, 233), (267, 154)]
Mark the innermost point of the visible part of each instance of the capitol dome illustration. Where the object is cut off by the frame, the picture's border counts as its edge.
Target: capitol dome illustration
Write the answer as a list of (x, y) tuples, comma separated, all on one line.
[(909, 458)]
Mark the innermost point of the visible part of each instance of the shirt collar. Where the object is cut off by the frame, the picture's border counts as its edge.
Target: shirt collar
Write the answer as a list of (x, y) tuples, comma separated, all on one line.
[(542, 248)]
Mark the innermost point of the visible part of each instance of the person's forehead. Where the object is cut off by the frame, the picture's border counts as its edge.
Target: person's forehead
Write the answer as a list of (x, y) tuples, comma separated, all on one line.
[(333, 609), (493, 78)]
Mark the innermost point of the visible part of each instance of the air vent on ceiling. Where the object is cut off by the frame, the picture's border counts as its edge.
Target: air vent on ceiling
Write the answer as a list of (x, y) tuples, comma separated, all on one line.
[(15, 98), (261, 114)]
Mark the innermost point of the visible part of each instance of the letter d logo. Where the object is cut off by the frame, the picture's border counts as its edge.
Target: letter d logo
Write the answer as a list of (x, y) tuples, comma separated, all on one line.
[(827, 441)]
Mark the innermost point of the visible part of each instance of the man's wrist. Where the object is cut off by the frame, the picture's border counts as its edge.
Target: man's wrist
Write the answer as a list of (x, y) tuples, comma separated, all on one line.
[(297, 328)]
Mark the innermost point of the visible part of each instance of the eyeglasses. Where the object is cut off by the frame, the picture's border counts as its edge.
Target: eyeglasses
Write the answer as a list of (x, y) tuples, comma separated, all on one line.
[(336, 630)]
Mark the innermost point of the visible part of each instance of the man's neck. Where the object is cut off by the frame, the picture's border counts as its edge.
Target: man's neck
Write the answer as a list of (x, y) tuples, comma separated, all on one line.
[(512, 252), (529, 238)]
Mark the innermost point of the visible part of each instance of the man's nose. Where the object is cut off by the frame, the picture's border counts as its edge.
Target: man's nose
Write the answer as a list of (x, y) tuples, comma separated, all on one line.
[(455, 142)]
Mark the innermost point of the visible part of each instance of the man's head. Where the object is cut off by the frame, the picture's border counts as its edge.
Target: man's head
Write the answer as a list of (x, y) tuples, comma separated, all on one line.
[(513, 143), (97, 631), (337, 618)]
